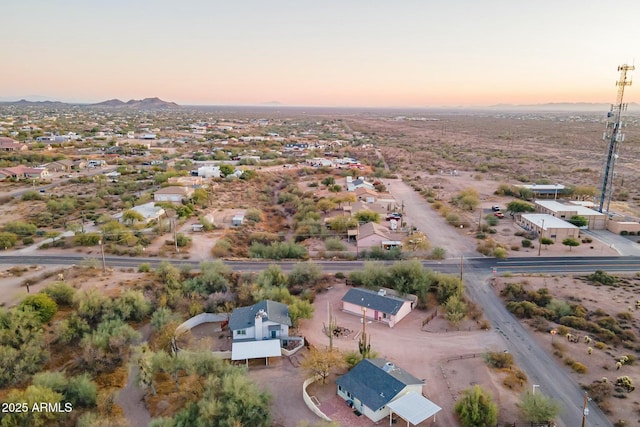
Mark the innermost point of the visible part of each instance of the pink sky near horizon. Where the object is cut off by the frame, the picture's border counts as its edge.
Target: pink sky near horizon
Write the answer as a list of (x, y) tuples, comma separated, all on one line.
[(375, 53)]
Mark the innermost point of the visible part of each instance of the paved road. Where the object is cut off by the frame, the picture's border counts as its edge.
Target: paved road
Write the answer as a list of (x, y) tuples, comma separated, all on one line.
[(540, 367), (624, 246), (478, 265)]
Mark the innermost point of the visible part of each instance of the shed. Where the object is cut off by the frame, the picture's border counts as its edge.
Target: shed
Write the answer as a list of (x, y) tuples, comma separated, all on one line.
[(237, 220)]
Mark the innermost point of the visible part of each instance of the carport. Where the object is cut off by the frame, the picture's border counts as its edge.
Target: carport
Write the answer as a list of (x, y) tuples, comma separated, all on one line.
[(246, 350), (413, 408)]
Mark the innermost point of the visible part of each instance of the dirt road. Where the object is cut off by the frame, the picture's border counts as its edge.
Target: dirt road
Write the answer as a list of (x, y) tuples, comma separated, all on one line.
[(426, 220)]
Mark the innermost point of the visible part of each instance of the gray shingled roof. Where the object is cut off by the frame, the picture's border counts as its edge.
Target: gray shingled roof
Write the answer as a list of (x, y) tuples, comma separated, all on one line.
[(372, 385), (370, 299), (244, 317)]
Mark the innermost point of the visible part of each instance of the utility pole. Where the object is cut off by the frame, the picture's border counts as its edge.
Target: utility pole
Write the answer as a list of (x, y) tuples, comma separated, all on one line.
[(104, 263), (461, 258), (175, 235), (614, 136), (541, 235)]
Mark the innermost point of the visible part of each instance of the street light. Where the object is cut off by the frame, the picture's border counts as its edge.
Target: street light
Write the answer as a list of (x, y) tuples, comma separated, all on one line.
[(585, 410)]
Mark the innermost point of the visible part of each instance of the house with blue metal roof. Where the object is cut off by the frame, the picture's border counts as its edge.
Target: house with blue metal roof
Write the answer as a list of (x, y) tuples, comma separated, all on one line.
[(379, 306), (374, 384)]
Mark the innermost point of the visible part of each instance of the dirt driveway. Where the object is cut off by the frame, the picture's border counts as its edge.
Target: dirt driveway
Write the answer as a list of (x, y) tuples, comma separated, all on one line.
[(428, 221), (423, 354)]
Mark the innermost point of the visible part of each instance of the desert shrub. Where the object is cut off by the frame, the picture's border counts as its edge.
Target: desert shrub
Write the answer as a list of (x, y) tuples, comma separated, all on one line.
[(60, 292), (527, 309), (221, 248), (381, 253), (452, 219), (71, 329), (573, 322), (334, 244), (145, 267), (41, 304), (87, 239), (20, 228), (499, 360), (7, 240), (79, 390), (513, 292), (253, 214), (602, 277), (92, 305), (277, 250), (559, 308), (624, 315), (526, 243), (182, 240), (305, 274), (131, 305), (579, 367), (438, 253), (600, 390)]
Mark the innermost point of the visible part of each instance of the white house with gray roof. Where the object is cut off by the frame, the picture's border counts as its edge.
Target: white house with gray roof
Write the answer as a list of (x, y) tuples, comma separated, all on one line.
[(258, 330), (261, 321), (376, 387), (380, 306)]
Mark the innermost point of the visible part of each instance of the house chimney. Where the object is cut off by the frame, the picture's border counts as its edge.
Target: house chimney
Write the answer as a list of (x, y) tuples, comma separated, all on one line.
[(258, 325)]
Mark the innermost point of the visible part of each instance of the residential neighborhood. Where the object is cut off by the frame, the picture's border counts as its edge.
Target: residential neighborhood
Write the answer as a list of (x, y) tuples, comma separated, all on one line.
[(358, 309)]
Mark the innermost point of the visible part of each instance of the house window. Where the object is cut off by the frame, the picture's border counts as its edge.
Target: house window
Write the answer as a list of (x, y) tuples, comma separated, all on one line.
[(242, 332)]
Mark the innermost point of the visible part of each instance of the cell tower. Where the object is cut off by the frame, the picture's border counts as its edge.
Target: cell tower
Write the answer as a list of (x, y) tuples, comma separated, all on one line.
[(614, 135)]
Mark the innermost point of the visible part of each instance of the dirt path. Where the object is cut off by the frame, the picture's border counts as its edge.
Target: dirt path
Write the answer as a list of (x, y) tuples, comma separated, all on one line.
[(130, 398), (426, 220)]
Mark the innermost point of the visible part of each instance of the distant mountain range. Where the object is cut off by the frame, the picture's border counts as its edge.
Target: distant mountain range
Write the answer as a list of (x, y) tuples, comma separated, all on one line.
[(132, 104)]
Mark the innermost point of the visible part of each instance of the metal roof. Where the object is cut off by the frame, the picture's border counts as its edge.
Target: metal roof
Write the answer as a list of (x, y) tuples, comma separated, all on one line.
[(414, 408), (244, 317), (255, 349), (373, 385), (370, 299)]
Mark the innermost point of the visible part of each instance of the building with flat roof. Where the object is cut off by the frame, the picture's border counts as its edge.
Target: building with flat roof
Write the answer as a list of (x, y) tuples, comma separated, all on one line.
[(546, 225), (595, 219)]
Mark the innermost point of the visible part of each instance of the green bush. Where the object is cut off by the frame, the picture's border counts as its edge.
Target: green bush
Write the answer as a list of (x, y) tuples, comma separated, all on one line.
[(602, 277), (253, 214), (334, 244), (526, 243), (182, 240), (7, 240), (61, 293), (277, 250), (20, 228), (145, 267), (87, 239), (41, 304), (499, 360)]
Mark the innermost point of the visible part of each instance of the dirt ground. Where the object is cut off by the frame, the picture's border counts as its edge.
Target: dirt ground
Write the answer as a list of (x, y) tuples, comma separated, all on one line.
[(601, 363), (423, 352)]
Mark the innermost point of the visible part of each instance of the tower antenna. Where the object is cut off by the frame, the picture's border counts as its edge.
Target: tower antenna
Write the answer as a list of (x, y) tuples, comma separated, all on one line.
[(614, 135)]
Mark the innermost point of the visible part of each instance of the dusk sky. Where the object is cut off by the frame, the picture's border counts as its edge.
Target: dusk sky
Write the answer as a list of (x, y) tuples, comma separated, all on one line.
[(408, 53)]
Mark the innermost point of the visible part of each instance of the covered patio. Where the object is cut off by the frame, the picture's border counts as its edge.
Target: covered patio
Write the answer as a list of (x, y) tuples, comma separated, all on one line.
[(413, 408)]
